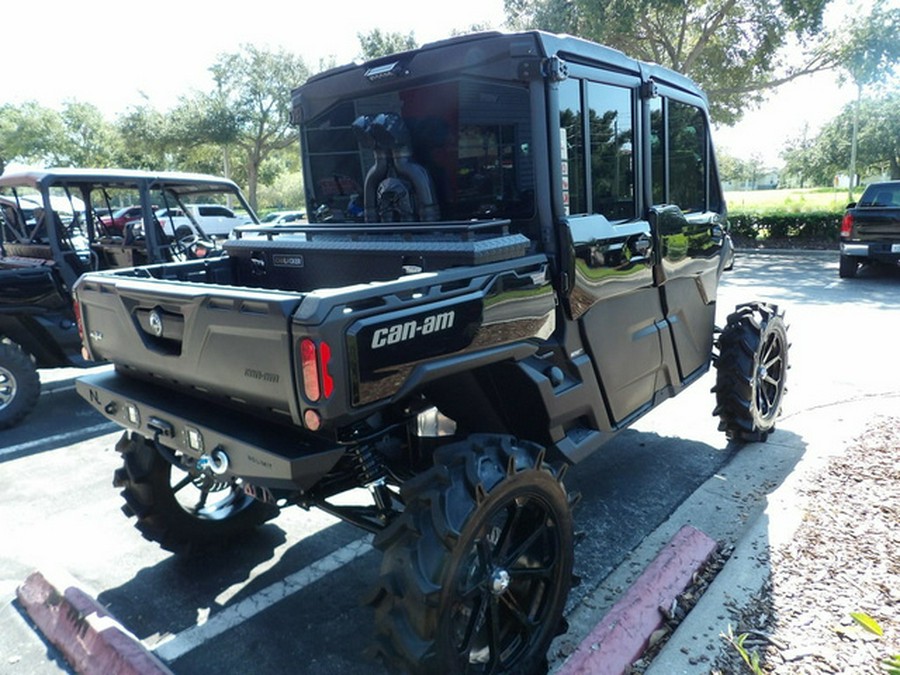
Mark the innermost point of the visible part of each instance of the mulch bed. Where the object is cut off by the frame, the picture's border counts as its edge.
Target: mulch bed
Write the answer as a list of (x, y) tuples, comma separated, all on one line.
[(845, 558)]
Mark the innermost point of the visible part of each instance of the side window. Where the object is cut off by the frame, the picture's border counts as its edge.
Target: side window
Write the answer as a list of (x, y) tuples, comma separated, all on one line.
[(611, 131), (687, 157), (679, 154), (657, 151), (571, 140), (217, 211)]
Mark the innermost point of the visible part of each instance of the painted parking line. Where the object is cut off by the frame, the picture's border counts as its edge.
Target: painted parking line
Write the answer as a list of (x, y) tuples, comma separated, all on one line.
[(46, 391), (63, 439), (178, 645)]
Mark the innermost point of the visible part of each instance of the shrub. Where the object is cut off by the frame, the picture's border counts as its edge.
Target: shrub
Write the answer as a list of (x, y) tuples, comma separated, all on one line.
[(820, 225)]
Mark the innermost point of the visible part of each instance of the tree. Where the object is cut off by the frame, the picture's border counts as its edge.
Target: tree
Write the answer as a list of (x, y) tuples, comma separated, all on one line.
[(731, 48), (376, 43), (203, 126), (145, 138), (76, 136), (869, 51), (89, 140), (799, 155), (250, 108), (30, 134), (878, 122), (737, 173)]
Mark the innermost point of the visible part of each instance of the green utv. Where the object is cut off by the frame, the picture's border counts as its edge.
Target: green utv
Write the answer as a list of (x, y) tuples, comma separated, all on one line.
[(513, 254)]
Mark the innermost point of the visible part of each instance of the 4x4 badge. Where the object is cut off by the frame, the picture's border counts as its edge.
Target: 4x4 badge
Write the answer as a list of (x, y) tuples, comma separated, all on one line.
[(156, 323)]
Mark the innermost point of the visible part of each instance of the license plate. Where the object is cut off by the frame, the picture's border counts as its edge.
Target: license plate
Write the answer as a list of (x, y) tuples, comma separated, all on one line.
[(895, 248)]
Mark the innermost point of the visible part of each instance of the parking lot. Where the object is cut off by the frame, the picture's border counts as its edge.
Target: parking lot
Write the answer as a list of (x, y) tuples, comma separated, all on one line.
[(288, 598)]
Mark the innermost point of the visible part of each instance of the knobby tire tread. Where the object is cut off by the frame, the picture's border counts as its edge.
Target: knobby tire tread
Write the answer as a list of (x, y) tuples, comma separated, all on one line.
[(419, 544), (144, 479)]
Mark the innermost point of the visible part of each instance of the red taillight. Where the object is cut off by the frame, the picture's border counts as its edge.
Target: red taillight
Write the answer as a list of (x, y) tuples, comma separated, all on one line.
[(309, 367), (327, 380), (847, 225), (85, 352), (314, 362), (76, 308)]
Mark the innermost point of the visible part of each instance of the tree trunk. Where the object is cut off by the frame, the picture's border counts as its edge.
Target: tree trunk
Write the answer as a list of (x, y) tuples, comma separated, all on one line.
[(252, 180), (851, 182)]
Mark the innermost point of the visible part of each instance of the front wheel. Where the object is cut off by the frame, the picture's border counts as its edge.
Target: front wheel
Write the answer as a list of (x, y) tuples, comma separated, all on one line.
[(477, 568), (751, 372), (20, 385), (178, 506)]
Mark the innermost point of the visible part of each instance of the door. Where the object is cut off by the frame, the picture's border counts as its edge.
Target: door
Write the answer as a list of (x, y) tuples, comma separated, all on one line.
[(613, 295), (688, 218)]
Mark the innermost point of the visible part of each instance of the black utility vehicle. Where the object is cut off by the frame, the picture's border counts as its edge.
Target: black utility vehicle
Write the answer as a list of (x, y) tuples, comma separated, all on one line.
[(54, 226), (870, 230), (515, 255)]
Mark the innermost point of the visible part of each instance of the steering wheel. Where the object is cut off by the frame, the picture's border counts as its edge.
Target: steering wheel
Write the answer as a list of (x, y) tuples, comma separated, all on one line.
[(187, 240)]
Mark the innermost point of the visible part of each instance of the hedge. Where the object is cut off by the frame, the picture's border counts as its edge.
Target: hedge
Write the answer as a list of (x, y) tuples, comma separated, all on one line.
[(820, 225)]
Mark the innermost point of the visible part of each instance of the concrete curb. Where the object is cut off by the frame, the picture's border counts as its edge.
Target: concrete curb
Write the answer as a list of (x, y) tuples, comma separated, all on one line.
[(624, 632), (89, 637), (825, 252)]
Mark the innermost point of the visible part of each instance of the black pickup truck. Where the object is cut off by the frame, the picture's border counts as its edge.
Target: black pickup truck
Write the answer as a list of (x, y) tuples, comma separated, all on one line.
[(870, 230), (515, 250), (54, 226)]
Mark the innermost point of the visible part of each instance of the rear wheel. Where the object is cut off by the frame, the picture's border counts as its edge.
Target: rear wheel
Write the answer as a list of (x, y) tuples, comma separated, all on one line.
[(847, 266), (178, 506), (20, 385), (477, 568), (751, 372)]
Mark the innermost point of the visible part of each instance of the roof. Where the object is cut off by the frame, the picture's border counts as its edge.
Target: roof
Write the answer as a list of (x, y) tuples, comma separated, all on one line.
[(484, 52), (38, 178)]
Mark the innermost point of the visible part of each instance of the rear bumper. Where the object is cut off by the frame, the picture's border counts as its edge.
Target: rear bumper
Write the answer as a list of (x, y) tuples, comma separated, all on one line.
[(883, 251), (264, 454)]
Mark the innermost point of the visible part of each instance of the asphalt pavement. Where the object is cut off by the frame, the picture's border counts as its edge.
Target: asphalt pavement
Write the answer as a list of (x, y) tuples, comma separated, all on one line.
[(839, 382), (741, 496)]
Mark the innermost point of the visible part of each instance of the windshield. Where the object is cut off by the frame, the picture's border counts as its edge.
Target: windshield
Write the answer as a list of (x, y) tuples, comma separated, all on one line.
[(451, 151)]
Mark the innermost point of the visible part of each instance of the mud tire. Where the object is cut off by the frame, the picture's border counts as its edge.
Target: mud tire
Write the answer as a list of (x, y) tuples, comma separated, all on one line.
[(477, 568), (20, 385), (751, 365), (151, 497)]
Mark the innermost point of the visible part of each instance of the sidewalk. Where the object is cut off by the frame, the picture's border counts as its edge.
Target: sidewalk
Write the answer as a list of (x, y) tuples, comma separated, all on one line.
[(770, 474)]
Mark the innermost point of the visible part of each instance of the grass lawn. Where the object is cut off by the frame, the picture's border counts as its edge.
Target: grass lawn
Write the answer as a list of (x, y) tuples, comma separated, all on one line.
[(789, 201)]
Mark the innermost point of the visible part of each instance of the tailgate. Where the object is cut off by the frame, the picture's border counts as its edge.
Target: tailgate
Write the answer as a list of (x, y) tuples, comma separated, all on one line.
[(219, 341), (876, 223)]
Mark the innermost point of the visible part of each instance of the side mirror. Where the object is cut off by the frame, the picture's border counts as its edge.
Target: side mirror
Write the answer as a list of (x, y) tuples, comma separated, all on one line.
[(851, 205), (667, 219)]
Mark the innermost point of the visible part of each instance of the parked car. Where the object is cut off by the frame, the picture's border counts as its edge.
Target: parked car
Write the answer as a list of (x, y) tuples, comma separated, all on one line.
[(201, 220), (116, 222), (283, 217), (870, 230)]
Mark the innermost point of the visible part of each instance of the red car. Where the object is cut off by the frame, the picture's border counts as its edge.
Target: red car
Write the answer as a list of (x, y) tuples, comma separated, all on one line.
[(116, 222)]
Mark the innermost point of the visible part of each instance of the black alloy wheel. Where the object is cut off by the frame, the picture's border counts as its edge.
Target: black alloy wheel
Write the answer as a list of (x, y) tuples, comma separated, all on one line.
[(178, 506), (477, 569), (752, 367)]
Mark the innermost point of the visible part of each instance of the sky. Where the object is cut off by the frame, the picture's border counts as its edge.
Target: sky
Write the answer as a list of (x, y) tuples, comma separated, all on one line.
[(116, 54)]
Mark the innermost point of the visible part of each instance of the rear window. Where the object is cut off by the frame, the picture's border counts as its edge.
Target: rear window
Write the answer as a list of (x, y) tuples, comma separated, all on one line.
[(881, 194), (467, 142)]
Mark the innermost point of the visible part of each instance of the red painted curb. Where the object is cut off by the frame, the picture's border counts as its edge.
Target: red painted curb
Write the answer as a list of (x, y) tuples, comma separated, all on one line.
[(621, 636), (89, 637)]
